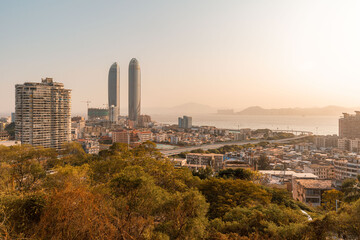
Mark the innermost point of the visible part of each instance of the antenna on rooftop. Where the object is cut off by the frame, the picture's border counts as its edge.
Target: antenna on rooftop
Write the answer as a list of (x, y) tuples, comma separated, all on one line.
[(87, 105)]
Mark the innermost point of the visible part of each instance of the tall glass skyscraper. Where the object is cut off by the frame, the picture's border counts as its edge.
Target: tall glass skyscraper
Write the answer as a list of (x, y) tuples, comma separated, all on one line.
[(134, 90), (114, 92)]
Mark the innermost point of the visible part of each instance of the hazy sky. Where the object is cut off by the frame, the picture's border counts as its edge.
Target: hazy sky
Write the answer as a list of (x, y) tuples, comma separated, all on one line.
[(231, 54)]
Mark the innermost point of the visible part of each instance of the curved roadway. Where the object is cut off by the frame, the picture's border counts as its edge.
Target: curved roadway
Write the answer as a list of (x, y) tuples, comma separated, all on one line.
[(169, 152)]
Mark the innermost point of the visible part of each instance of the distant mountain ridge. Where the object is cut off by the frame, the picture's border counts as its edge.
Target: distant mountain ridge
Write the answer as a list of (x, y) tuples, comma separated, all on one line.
[(323, 111), (197, 108)]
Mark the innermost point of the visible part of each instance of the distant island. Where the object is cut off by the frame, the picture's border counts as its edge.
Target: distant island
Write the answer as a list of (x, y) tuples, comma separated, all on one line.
[(323, 111), (329, 110)]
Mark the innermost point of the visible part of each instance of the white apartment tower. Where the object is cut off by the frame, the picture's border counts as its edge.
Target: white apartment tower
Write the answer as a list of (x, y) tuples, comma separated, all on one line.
[(42, 113)]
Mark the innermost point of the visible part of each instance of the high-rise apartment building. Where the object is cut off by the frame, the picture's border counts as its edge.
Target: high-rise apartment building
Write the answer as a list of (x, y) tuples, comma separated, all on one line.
[(114, 92), (134, 90), (349, 125), (185, 122), (42, 113)]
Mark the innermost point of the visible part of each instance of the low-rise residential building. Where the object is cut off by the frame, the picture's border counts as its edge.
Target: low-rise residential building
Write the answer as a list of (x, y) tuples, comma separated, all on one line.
[(90, 146), (322, 171), (287, 175), (9, 143), (162, 137), (234, 163), (342, 144), (178, 162), (277, 177), (329, 141), (351, 145), (144, 121), (310, 191), (199, 160), (131, 137), (346, 168), (240, 136), (174, 139), (144, 136), (4, 135)]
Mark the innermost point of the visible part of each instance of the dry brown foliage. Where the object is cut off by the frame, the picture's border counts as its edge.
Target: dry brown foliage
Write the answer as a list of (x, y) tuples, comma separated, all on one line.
[(76, 213)]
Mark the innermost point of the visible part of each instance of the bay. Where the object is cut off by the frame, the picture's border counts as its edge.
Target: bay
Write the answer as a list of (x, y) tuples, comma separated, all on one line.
[(319, 125)]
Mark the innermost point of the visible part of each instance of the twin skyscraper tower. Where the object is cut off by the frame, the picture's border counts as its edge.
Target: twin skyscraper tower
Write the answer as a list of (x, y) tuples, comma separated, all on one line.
[(134, 91)]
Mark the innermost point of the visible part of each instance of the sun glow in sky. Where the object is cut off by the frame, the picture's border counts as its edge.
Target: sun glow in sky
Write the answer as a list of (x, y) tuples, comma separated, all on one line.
[(226, 54)]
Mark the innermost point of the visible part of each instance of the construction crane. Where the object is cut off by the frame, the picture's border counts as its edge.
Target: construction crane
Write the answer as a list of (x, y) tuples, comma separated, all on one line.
[(87, 104)]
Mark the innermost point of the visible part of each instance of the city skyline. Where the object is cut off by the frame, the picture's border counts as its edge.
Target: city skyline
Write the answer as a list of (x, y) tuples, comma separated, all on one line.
[(278, 54), (229, 129)]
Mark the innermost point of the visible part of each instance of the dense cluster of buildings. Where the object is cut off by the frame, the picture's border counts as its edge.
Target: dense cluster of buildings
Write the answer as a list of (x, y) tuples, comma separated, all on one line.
[(43, 112), (199, 135), (43, 118), (295, 167), (306, 169), (190, 137)]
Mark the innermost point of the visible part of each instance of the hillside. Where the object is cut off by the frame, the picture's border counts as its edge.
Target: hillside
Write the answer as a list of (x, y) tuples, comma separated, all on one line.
[(134, 193)]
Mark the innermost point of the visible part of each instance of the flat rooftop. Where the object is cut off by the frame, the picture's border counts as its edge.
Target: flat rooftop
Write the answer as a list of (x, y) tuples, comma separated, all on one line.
[(315, 183), (205, 154)]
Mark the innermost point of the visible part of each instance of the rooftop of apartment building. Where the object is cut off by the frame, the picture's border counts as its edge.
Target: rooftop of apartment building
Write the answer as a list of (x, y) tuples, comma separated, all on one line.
[(348, 115), (315, 183), (319, 166), (44, 82), (289, 173), (205, 154)]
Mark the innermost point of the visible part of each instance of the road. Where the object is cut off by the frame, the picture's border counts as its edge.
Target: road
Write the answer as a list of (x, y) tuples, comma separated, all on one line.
[(170, 152)]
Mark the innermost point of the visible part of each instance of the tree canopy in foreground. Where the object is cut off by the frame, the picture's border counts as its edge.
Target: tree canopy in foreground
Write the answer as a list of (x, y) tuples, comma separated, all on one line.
[(125, 193)]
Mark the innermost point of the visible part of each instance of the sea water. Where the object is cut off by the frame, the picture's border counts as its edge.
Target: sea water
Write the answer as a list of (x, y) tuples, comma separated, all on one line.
[(321, 125)]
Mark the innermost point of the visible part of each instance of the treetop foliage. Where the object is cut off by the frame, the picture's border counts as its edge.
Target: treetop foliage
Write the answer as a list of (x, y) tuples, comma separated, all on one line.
[(135, 193)]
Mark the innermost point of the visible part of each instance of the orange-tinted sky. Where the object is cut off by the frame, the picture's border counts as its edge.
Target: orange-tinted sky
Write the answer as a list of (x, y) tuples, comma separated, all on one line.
[(226, 54)]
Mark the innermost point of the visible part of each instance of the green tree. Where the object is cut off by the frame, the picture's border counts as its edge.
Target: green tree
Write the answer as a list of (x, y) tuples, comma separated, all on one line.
[(271, 221), (351, 189), (23, 212), (263, 162), (329, 199), (137, 199), (185, 216), (77, 213), (147, 149), (225, 194), (203, 173), (25, 169), (10, 129), (238, 173), (6, 181), (74, 154), (60, 176)]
